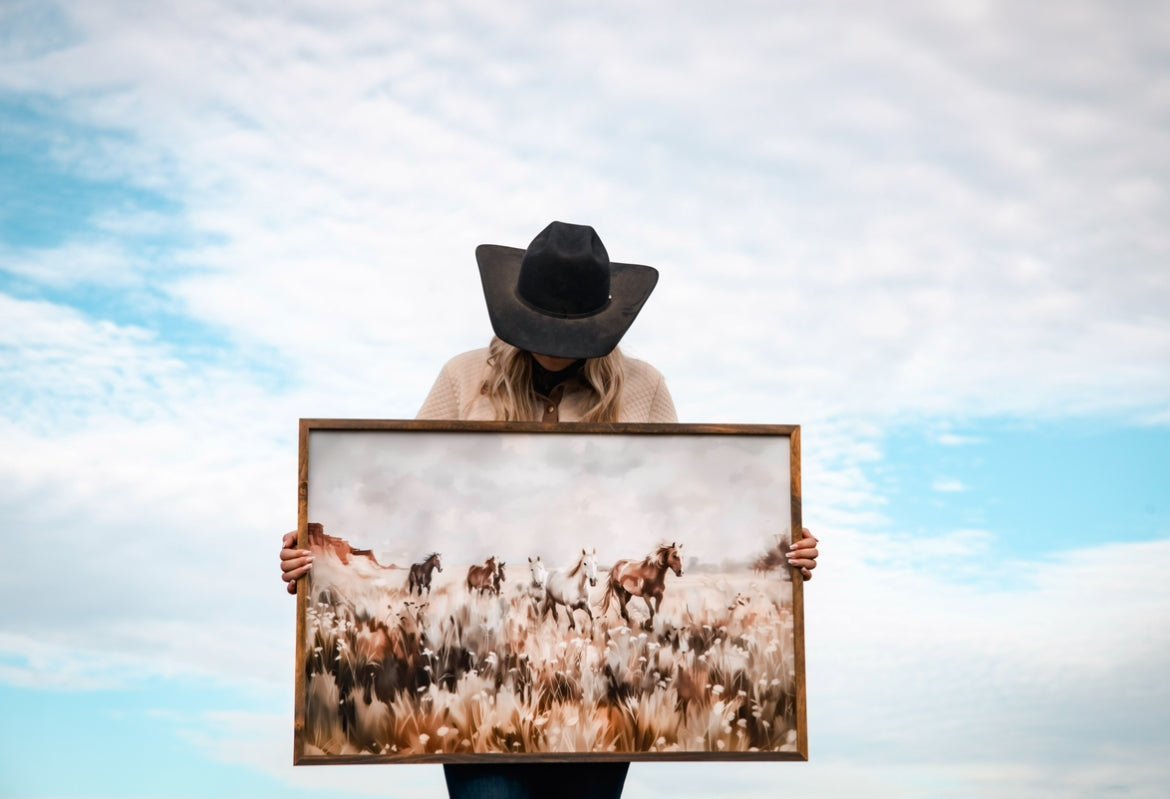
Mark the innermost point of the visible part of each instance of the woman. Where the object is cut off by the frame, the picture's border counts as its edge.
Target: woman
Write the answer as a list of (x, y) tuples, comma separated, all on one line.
[(558, 309)]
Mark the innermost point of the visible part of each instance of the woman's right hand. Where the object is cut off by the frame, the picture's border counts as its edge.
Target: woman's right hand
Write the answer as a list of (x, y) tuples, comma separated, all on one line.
[(294, 563)]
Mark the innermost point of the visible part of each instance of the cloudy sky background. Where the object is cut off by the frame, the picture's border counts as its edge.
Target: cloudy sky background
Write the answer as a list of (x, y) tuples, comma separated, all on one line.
[(471, 496), (933, 234)]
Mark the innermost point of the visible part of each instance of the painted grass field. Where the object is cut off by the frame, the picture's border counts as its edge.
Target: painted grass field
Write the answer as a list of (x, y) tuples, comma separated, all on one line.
[(392, 673)]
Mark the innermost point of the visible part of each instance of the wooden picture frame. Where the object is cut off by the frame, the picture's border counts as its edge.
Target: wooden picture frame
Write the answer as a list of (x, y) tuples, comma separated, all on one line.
[(468, 656)]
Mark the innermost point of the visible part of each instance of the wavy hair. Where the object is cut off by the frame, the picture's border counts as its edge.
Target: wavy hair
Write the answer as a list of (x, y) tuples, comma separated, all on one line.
[(509, 385)]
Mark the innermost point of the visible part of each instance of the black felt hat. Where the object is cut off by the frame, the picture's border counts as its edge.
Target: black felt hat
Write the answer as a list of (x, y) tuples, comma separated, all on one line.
[(562, 296)]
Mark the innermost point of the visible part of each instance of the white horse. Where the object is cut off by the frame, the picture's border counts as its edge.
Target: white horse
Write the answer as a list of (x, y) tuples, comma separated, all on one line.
[(539, 576), (568, 587), (535, 590)]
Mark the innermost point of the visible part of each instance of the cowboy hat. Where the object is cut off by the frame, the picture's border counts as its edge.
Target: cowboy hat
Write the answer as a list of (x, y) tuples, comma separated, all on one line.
[(562, 296)]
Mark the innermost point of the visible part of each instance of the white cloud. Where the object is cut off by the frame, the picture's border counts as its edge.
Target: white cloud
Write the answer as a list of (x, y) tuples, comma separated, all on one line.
[(867, 213), (263, 742), (861, 219), (949, 439), (76, 263), (948, 485)]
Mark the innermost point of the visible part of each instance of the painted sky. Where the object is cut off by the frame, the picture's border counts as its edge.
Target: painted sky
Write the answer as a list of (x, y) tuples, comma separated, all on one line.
[(934, 234), (472, 496)]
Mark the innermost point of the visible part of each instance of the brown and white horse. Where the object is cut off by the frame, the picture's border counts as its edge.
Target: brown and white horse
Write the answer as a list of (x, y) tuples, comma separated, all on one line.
[(486, 578), (645, 578)]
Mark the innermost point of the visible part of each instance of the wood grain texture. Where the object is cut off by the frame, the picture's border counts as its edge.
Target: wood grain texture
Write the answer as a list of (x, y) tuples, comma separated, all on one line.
[(302, 590), (560, 428), (798, 600), (538, 757)]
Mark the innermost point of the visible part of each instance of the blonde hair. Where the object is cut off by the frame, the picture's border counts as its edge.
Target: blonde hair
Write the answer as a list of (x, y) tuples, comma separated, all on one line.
[(509, 385)]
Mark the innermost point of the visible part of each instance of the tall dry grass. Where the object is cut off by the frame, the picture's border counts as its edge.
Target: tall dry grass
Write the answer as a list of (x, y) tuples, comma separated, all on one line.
[(450, 672)]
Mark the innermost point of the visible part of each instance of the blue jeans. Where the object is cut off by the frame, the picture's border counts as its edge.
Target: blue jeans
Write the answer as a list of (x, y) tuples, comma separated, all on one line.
[(536, 780)]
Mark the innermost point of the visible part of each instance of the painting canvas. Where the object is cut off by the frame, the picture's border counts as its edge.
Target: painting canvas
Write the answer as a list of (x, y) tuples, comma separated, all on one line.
[(512, 592)]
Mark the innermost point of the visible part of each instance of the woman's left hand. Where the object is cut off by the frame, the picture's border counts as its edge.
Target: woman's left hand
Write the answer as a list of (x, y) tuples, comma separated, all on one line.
[(803, 554)]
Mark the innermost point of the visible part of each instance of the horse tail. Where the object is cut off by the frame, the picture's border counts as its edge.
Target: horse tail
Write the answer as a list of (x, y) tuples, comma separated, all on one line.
[(610, 591)]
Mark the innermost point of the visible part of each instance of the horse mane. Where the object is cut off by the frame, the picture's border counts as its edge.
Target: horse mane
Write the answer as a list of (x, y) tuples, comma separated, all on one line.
[(577, 568), (661, 553)]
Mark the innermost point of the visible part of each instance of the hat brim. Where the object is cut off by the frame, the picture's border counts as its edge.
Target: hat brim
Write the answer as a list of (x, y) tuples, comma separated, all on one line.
[(525, 327)]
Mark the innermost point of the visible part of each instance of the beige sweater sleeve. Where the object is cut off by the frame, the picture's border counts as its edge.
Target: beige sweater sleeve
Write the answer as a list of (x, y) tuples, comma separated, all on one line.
[(443, 401), (662, 406)]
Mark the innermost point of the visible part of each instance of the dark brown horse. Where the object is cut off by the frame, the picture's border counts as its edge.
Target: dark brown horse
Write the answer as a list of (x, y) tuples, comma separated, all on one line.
[(486, 578), (645, 578), (420, 573)]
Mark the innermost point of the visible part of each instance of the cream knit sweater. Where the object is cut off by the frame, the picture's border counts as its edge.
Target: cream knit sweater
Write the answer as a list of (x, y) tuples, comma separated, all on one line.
[(458, 393)]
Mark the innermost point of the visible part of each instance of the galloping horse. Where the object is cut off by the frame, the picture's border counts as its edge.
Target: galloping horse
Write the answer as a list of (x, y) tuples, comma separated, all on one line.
[(485, 578), (539, 574), (420, 573), (645, 578), (567, 587), (535, 588)]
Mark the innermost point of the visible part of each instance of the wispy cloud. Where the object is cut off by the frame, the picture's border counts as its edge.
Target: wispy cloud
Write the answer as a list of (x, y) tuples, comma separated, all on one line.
[(903, 211), (948, 485), (949, 439), (863, 219)]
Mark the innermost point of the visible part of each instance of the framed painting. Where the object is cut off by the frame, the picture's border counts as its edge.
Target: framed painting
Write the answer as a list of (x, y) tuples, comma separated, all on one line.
[(488, 592)]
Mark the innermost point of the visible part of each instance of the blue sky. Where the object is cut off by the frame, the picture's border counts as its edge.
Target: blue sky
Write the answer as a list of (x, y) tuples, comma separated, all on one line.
[(934, 236), (1044, 487)]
